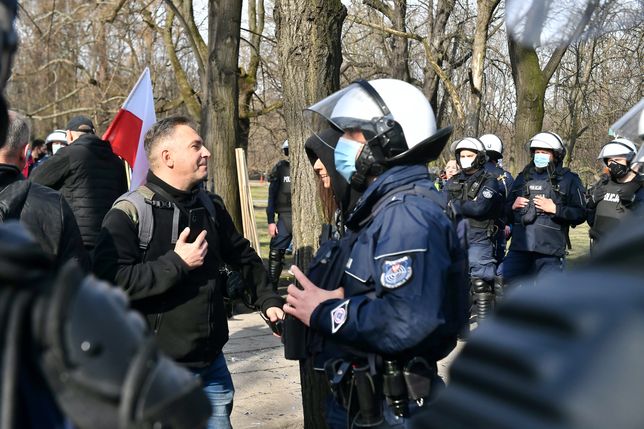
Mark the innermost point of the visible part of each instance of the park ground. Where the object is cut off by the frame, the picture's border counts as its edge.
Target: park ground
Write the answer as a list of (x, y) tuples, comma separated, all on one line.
[(267, 385)]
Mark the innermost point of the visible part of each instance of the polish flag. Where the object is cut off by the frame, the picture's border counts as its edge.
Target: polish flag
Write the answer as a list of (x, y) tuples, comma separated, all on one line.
[(127, 130)]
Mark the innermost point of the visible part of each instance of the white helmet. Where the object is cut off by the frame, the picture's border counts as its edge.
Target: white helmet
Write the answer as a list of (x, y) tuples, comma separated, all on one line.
[(57, 136), (547, 140), (285, 144), (393, 115), (618, 148), (469, 143), (473, 144), (492, 143)]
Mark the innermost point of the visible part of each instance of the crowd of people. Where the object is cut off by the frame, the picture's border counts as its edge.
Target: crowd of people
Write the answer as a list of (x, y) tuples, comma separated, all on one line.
[(407, 264)]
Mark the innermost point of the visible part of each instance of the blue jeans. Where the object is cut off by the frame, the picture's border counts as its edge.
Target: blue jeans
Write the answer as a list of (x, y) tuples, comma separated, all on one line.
[(218, 387)]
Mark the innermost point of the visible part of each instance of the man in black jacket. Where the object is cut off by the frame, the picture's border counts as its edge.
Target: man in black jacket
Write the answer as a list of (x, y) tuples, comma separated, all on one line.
[(88, 174), (175, 281), (43, 211)]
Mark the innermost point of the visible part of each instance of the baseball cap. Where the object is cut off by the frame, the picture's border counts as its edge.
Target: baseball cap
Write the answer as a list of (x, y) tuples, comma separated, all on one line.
[(80, 123)]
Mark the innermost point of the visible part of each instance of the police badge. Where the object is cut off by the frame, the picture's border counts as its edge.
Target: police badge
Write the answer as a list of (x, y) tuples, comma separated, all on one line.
[(396, 273)]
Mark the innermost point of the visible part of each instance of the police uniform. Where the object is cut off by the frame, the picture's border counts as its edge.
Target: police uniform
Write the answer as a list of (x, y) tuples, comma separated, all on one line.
[(506, 181), (405, 297), (480, 200), (609, 202), (539, 239), (279, 201)]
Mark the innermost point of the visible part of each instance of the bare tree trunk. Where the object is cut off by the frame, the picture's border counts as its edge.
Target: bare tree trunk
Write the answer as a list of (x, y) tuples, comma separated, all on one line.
[(485, 10), (219, 115), (398, 49), (309, 50), (530, 90)]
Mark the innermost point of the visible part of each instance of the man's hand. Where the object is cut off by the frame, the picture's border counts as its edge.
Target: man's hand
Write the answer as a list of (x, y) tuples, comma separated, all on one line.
[(272, 230), (544, 204), (520, 203), (193, 254), (274, 314), (301, 303)]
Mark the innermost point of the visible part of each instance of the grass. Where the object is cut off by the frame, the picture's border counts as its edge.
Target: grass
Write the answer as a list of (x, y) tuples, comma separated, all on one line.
[(259, 192)]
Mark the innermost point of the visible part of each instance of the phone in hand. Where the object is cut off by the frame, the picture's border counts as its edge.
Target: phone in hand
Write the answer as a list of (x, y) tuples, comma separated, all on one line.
[(196, 222)]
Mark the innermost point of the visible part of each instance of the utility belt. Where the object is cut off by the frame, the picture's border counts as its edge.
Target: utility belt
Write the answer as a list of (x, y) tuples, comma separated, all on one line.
[(488, 225), (361, 387)]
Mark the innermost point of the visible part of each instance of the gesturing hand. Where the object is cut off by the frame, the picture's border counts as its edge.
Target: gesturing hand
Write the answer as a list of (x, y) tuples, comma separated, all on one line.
[(301, 303), (545, 204), (193, 254)]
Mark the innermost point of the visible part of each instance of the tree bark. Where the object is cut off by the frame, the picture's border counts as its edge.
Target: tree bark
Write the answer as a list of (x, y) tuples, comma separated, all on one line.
[(485, 10), (220, 108), (309, 52)]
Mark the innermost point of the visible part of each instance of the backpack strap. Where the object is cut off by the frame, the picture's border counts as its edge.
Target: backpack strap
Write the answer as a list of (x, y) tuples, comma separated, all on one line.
[(137, 205)]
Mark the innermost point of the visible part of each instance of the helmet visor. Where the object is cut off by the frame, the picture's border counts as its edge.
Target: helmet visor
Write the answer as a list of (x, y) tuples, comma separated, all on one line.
[(351, 108)]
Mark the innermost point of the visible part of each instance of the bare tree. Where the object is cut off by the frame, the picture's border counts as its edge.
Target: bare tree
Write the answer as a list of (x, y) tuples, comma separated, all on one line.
[(308, 37)]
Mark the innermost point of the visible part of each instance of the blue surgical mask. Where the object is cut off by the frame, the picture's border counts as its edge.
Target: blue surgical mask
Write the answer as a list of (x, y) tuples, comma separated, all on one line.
[(541, 160), (346, 152)]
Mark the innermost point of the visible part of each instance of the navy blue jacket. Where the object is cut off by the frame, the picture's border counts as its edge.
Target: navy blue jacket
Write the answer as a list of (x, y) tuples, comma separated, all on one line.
[(546, 233), (503, 176), (398, 256)]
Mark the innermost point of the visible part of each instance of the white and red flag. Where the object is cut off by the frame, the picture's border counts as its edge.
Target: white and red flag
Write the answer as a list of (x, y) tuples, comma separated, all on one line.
[(129, 126)]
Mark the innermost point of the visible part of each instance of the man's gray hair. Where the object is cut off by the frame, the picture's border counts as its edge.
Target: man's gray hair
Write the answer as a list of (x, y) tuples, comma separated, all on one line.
[(163, 129), (17, 134)]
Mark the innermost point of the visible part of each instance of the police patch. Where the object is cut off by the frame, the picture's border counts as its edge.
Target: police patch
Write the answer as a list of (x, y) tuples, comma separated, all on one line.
[(396, 273), (487, 194), (339, 315)]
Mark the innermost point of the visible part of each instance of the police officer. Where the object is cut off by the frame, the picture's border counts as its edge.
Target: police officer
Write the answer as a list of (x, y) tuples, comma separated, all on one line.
[(279, 201), (616, 194), (494, 150), (476, 194), (386, 301), (545, 201)]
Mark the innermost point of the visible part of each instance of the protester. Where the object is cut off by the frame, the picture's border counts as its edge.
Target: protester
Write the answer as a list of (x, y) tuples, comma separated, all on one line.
[(390, 296), (88, 174), (37, 154), (546, 199), (172, 275), (279, 202), (43, 211)]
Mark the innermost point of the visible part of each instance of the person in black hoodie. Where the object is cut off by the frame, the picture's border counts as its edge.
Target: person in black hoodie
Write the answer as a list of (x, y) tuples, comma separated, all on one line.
[(88, 174), (43, 211), (175, 282)]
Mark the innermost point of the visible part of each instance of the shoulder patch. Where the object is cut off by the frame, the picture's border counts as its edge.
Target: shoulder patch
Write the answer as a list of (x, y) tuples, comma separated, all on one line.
[(339, 316), (487, 193), (396, 273)]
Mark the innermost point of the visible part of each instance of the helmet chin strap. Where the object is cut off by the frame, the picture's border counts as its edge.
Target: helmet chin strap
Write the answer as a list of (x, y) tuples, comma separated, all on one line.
[(367, 165)]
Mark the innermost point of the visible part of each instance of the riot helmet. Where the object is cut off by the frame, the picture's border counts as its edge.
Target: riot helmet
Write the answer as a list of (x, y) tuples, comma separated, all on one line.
[(472, 144), (285, 147), (56, 140), (549, 141), (395, 119), (618, 148), (493, 146)]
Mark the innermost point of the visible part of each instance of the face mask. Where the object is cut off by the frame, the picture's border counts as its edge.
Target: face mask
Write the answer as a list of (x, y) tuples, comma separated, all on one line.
[(466, 163), (541, 160), (56, 146), (617, 170), (345, 154)]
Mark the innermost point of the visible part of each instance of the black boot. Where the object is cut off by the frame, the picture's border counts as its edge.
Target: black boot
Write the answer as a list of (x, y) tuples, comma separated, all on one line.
[(275, 265), (499, 291), (483, 297)]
